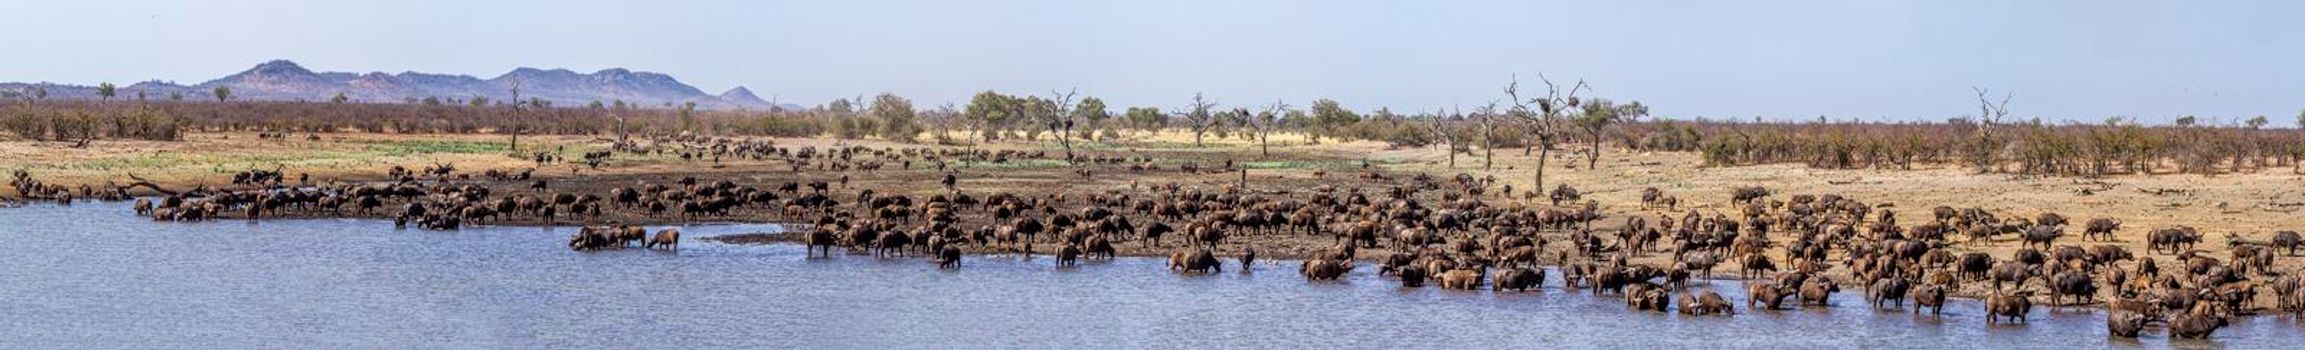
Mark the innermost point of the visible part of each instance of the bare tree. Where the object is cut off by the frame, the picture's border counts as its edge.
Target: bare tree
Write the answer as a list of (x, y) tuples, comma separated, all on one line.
[(1199, 117), (1487, 116), (1988, 114), (943, 118), (1543, 123), (516, 126), (1264, 123), (1438, 125), (1059, 119)]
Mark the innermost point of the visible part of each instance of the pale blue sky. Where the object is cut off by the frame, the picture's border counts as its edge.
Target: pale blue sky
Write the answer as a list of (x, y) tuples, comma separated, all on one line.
[(2083, 60)]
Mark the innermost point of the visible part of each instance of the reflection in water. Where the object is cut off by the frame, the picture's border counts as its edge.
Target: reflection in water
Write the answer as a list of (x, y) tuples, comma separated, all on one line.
[(94, 276)]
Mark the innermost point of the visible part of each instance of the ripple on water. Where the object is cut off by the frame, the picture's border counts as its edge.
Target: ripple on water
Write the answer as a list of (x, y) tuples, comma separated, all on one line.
[(92, 276)]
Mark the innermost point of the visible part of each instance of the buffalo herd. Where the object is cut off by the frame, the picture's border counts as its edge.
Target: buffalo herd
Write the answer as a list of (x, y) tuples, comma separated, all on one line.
[(1459, 232)]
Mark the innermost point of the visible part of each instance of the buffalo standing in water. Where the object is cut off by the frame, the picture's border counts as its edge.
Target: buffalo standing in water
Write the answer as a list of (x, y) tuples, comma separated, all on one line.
[(1069, 255), (1767, 295), (1647, 297), (1412, 276), (824, 238), (2011, 306), (1888, 290), (1201, 261), (1708, 303), (1819, 293), (591, 238), (947, 258), (1931, 297), (1518, 279), (1326, 270), (668, 239), (2197, 324), (1462, 278), (2124, 324)]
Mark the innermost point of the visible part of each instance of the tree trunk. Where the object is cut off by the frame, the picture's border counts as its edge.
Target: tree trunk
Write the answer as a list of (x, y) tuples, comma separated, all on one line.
[(1543, 152), (1452, 149), (1596, 159), (1062, 139), (1488, 148), (1265, 142)]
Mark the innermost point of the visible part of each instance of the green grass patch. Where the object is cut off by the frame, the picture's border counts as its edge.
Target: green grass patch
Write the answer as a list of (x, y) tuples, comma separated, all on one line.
[(1130, 145), (1013, 164), (217, 163), (1291, 164), (403, 148)]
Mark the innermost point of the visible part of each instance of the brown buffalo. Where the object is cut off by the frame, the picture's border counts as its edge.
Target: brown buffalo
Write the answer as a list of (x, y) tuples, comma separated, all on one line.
[(1769, 295), (1326, 270), (1931, 297), (1518, 279), (2008, 306), (1647, 297), (1068, 255), (947, 258), (1194, 261), (821, 237), (2195, 325), (2172, 239), (2074, 284), (1890, 290), (2124, 324), (1818, 292), (2288, 240), (1707, 303), (1461, 279), (2101, 228), (667, 239), (1412, 276)]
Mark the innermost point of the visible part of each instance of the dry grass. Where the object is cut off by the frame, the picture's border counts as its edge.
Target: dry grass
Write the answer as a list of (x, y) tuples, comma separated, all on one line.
[(211, 158)]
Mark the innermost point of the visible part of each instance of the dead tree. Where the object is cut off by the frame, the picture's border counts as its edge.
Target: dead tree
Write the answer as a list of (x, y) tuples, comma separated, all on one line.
[(1264, 123), (1200, 117), (516, 125), (1059, 120), (1989, 113), (1487, 117), (1544, 121), (1439, 127)]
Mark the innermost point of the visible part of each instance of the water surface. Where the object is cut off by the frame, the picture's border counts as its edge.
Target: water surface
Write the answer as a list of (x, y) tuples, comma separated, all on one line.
[(94, 276)]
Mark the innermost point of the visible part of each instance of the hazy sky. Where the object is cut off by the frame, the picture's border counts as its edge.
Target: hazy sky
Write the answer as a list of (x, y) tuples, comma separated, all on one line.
[(2081, 60)]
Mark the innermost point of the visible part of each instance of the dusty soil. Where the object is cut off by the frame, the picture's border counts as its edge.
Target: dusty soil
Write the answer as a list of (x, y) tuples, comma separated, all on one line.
[(2249, 205)]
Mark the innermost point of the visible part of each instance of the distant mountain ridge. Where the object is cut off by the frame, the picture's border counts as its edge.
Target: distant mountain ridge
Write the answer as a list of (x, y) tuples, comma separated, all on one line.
[(283, 80)]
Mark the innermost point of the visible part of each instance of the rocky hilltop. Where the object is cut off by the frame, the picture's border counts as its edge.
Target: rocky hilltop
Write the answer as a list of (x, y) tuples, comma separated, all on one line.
[(283, 80)]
